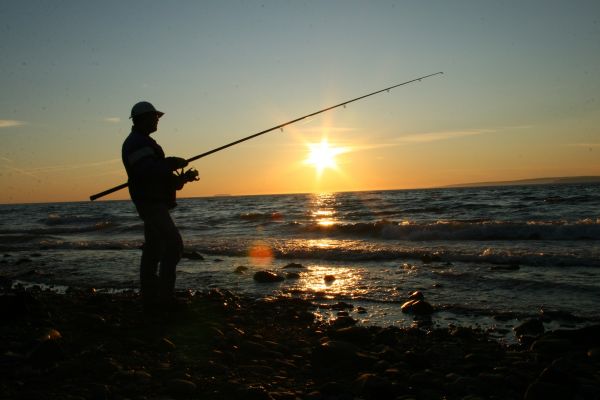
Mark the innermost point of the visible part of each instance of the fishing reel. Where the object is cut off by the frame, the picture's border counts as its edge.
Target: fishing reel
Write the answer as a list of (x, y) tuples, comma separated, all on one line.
[(184, 177), (188, 176)]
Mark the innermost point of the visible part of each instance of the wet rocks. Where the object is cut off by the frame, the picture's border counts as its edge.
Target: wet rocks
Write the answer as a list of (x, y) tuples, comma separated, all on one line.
[(267, 277), (192, 255), (293, 265), (417, 305), (230, 346), (329, 279), (240, 269), (181, 387), (529, 328), (292, 275)]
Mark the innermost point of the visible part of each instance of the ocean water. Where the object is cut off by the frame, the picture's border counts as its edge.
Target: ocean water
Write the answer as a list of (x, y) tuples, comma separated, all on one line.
[(485, 257)]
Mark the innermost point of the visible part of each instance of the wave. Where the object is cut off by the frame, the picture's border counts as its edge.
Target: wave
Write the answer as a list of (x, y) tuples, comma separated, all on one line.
[(587, 229)]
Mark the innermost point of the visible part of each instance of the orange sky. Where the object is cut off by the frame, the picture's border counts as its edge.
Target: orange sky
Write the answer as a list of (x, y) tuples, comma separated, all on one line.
[(518, 98)]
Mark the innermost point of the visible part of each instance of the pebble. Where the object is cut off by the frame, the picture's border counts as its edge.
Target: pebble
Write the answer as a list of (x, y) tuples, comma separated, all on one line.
[(292, 275), (531, 327), (181, 387), (417, 307), (267, 277), (165, 345), (294, 265), (267, 350), (329, 278), (193, 255)]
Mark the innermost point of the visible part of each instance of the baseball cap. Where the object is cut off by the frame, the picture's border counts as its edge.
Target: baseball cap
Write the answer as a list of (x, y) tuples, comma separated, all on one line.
[(144, 107)]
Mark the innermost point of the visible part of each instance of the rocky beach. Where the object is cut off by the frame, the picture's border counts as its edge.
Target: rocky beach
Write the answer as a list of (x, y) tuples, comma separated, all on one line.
[(88, 344)]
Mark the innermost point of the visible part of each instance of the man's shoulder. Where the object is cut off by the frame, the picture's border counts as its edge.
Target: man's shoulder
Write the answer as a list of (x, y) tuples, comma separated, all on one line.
[(135, 140)]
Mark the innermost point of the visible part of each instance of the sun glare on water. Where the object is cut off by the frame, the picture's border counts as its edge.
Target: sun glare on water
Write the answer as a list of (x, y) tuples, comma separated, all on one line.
[(322, 155)]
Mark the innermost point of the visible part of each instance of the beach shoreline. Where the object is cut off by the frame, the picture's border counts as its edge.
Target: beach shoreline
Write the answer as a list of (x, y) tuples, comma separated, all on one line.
[(218, 345)]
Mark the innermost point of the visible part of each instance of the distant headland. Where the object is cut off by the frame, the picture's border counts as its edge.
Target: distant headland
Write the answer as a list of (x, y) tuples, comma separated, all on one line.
[(535, 181)]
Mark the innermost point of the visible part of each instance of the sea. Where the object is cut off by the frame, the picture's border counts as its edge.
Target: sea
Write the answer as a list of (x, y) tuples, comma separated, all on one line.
[(486, 257)]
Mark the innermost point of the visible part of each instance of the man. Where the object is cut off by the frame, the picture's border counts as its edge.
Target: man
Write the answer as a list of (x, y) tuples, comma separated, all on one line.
[(152, 186)]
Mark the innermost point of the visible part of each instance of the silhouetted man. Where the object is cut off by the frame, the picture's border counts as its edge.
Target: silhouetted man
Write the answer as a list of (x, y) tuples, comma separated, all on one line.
[(152, 186)]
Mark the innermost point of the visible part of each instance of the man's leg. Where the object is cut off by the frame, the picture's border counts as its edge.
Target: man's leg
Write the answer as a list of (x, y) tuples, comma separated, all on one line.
[(164, 235), (152, 252), (170, 257)]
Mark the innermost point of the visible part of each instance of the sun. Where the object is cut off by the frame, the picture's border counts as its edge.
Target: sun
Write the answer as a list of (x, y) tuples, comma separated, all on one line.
[(322, 155)]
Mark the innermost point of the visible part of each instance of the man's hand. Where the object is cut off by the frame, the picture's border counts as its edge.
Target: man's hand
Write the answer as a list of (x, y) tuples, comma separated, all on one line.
[(182, 178), (190, 175), (176, 162)]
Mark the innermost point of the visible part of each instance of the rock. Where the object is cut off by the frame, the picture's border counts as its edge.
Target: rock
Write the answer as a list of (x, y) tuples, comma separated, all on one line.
[(335, 352), (417, 307), (341, 305), (594, 354), (343, 322), (181, 387), (387, 336), (240, 270), (192, 255), (508, 267), (546, 391), (165, 345), (253, 393), (267, 277), (361, 310), (429, 258), (551, 346), (292, 275), (329, 278), (532, 327), (47, 352), (374, 387), (353, 334), (334, 389), (294, 265), (416, 295)]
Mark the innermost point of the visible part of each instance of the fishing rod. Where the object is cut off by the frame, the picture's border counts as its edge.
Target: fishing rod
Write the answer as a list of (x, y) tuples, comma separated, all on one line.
[(280, 126)]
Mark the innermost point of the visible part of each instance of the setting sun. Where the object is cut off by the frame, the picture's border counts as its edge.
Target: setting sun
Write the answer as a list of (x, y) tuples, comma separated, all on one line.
[(322, 155)]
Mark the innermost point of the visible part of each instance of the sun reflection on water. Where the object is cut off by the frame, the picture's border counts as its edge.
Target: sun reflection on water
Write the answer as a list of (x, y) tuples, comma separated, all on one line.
[(323, 210)]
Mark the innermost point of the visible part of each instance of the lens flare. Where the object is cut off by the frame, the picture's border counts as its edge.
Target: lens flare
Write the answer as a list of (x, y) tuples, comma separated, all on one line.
[(261, 253)]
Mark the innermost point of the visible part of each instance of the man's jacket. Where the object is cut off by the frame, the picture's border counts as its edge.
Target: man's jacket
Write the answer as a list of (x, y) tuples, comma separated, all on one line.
[(151, 180)]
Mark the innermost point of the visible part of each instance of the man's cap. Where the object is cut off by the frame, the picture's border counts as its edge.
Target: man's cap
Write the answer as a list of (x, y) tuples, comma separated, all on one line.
[(144, 107)]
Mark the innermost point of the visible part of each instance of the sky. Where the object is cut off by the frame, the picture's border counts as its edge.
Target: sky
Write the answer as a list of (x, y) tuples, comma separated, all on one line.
[(519, 97)]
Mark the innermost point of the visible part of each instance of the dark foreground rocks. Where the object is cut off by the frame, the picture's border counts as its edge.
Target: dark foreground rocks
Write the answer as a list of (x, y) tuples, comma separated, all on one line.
[(216, 345)]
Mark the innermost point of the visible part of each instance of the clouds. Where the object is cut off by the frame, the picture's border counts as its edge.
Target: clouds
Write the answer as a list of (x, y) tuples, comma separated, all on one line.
[(11, 123), (443, 135)]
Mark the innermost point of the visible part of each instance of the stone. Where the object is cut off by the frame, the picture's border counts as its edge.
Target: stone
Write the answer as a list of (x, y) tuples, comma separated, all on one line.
[(165, 345), (292, 275), (353, 334), (192, 255), (594, 354), (343, 321), (253, 393), (372, 386), (181, 387), (416, 295), (531, 327), (294, 265), (240, 270), (267, 277), (551, 346), (546, 391), (417, 307), (329, 278), (335, 352)]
